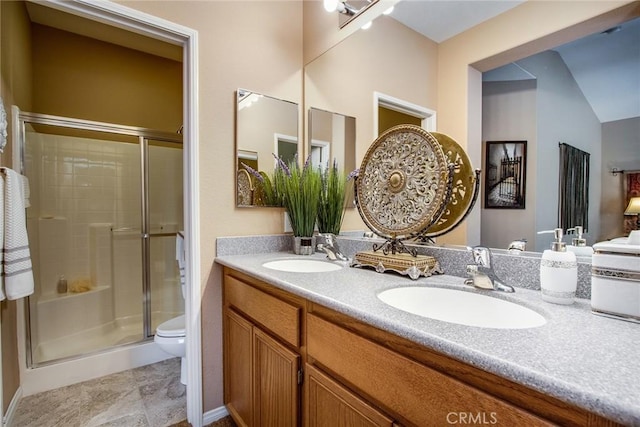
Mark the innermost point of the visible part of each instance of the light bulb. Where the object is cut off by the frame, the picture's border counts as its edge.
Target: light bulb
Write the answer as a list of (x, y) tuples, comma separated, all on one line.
[(330, 5)]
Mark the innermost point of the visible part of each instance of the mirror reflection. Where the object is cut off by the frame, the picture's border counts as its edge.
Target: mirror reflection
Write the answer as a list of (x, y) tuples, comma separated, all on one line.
[(336, 81), (559, 100), (265, 126), (332, 137)]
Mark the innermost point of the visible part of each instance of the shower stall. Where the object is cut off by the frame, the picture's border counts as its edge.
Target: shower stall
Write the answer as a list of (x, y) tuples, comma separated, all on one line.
[(105, 204)]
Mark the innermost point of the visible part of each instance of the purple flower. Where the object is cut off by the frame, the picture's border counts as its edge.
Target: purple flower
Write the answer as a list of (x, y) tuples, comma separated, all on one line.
[(252, 171), (307, 163), (282, 165)]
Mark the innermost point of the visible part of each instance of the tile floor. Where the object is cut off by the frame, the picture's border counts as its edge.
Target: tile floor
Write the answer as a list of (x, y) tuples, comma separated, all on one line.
[(150, 396)]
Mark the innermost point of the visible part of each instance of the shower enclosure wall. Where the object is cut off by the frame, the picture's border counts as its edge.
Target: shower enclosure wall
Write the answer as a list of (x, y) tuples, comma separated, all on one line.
[(105, 206)]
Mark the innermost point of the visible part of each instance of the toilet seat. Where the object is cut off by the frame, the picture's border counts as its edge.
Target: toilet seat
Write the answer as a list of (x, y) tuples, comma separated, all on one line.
[(172, 328)]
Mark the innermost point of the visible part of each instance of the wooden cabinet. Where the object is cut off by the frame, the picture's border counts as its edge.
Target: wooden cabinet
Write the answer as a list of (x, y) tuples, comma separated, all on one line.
[(419, 395), (357, 375), (262, 363), (238, 362), (329, 404)]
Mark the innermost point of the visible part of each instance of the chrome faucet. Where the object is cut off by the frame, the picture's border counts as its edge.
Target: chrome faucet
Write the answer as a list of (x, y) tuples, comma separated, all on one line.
[(330, 247), (481, 273)]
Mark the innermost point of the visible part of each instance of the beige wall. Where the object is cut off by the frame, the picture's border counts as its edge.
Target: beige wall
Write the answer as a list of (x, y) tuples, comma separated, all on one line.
[(80, 77), (252, 45), (15, 73)]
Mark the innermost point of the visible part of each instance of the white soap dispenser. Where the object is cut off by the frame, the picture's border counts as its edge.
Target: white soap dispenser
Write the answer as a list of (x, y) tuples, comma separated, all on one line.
[(558, 271), (579, 244)]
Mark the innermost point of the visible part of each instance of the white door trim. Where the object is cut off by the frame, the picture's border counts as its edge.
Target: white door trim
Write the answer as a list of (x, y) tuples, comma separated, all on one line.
[(427, 116), (135, 21)]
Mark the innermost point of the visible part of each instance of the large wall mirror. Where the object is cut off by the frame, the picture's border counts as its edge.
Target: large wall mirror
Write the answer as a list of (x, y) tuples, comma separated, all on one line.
[(392, 59), (265, 126)]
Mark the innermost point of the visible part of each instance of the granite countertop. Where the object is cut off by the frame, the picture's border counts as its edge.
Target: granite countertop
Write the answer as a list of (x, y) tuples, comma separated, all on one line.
[(578, 357)]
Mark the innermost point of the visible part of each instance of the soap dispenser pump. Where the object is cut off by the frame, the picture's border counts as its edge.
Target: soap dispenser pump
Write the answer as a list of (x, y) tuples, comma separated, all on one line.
[(558, 271), (579, 244)]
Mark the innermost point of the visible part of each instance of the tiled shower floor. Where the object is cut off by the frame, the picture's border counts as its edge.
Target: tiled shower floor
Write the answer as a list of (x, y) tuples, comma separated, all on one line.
[(148, 396)]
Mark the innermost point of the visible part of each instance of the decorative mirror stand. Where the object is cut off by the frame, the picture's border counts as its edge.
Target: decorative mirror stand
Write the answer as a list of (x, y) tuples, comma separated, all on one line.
[(411, 181)]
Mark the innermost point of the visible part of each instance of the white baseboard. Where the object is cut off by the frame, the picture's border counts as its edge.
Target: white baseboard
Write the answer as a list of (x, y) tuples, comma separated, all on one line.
[(214, 415), (11, 410)]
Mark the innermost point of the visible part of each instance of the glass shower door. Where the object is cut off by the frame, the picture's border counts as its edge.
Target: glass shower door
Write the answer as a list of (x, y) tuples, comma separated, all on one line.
[(104, 211), (165, 213), (82, 220)]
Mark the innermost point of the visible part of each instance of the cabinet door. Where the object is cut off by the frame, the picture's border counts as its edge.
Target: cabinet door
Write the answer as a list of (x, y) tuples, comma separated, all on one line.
[(331, 405), (275, 382), (238, 339)]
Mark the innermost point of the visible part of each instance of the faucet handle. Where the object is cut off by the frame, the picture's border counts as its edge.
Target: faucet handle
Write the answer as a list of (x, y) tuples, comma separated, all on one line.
[(517, 246), (481, 256)]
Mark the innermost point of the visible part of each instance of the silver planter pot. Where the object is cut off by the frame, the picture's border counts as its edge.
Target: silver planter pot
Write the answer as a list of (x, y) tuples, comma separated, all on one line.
[(304, 245)]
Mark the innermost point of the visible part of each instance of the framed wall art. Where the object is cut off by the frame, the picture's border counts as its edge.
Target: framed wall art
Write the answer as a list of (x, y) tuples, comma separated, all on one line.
[(505, 174)]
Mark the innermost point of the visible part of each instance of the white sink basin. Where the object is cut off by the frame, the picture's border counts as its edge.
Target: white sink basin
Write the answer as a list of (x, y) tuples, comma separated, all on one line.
[(464, 308), (302, 265)]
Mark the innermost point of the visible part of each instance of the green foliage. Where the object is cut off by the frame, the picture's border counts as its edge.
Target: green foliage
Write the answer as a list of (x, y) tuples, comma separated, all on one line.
[(300, 190), (332, 200)]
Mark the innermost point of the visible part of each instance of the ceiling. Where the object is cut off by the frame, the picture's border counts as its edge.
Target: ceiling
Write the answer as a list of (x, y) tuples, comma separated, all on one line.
[(606, 67)]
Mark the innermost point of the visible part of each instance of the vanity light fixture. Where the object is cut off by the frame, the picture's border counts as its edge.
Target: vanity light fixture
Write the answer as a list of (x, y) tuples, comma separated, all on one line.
[(347, 9), (634, 209), (367, 25), (340, 6)]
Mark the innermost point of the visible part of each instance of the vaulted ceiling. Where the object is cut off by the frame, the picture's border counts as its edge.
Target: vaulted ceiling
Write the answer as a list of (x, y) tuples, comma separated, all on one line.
[(606, 66)]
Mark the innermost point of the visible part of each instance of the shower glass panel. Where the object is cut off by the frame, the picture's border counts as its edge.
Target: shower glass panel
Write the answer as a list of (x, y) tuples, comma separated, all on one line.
[(164, 193), (88, 207)]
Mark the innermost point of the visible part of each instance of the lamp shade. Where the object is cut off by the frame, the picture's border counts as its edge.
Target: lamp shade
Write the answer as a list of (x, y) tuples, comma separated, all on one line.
[(634, 206)]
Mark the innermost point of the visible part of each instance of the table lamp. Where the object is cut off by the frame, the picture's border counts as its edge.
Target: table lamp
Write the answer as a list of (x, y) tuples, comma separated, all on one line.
[(634, 209)]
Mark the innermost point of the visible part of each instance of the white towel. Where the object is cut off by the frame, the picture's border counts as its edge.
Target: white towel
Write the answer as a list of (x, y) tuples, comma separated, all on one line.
[(17, 273), (180, 257), (2, 296), (26, 191)]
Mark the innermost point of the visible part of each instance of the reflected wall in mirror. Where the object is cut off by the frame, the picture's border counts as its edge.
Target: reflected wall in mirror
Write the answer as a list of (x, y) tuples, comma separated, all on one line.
[(264, 126), (379, 60), (332, 137), (339, 80)]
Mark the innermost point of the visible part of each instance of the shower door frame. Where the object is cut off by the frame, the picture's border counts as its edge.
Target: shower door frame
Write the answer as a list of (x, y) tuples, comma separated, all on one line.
[(143, 135)]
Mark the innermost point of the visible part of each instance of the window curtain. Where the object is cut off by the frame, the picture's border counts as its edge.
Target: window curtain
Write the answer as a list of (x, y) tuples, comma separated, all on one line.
[(573, 204), (633, 190)]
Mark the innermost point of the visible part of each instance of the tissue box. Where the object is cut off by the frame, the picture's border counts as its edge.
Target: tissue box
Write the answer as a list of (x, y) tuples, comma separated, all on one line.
[(615, 280)]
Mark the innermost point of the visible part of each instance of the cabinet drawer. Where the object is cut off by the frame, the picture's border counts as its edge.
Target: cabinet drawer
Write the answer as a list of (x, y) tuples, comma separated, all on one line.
[(280, 317), (415, 393)]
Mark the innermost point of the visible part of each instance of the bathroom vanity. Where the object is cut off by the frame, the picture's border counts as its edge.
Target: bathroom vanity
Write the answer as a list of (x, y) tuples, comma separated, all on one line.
[(321, 349)]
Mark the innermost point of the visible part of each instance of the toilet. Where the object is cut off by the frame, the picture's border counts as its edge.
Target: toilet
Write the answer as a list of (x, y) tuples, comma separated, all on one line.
[(171, 335)]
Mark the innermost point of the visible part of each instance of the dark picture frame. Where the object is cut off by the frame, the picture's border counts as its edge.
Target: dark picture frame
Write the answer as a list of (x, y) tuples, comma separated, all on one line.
[(505, 174)]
